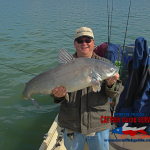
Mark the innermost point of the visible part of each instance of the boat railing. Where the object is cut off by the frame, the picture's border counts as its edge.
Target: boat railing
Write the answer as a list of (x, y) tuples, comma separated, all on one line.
[(129, 46)]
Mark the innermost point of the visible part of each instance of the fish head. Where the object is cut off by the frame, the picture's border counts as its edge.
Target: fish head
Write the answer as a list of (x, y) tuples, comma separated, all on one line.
[(105, 69), (110, 71)]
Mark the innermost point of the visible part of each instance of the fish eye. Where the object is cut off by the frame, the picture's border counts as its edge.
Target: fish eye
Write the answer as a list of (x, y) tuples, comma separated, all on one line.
[(111, 69)]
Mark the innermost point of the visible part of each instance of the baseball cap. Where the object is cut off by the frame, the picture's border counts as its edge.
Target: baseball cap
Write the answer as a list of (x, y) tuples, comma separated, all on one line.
[(83, 31)]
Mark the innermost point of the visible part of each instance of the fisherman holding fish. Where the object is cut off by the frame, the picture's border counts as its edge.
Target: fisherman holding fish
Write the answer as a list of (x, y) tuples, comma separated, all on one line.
[(83, 84), (81, 115)]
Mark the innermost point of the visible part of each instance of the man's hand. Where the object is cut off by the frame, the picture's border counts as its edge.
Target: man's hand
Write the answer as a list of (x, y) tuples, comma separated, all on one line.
[(112, 80), (59, 91)]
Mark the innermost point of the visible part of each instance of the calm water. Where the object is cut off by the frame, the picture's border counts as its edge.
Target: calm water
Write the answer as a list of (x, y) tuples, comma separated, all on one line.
[(30, 38)]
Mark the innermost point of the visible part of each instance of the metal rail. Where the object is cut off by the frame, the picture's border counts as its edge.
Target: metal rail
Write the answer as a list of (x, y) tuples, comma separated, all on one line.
[(125, 46)]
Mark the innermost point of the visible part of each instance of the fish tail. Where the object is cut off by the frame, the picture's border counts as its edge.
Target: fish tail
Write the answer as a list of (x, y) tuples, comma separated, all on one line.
[(35, 103), (24, 97)]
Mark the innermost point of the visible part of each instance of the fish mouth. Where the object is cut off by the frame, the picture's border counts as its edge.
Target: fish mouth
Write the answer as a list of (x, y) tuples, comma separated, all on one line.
[(112, 74), (115, 73)]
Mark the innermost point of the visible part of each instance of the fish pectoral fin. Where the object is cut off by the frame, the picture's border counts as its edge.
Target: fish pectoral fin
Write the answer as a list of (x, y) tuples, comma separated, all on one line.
[(96, 78), (96, 75), (35, 103), (64, 56), (67, 97), (96, 85)]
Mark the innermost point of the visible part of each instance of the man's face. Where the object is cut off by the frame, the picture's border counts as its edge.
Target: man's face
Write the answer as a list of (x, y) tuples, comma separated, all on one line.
[(84, 47)]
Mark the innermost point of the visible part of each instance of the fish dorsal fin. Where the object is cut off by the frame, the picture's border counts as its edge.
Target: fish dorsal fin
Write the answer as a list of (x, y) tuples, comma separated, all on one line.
[(64, 56)]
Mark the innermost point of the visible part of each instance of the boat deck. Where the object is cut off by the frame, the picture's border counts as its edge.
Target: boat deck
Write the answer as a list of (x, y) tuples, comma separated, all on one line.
[(53, 135)]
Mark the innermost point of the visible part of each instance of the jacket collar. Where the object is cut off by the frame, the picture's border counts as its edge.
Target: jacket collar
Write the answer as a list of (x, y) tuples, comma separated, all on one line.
[(93, 56)]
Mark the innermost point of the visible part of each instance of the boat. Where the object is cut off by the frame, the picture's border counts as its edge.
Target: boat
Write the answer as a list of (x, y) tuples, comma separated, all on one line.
[(53, 140)]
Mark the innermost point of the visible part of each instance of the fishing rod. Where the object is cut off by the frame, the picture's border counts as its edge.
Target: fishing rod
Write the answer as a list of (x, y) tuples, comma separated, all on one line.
[(64, 34), (111, 19), (127, 25), (117, 62), (17, 69), (109, 26), (125, 32)]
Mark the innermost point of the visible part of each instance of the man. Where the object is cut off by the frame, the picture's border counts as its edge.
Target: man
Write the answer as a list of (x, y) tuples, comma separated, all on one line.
[(81, 115)]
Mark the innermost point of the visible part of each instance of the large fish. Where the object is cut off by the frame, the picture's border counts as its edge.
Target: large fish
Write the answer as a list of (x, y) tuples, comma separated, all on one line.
[(72, 73)]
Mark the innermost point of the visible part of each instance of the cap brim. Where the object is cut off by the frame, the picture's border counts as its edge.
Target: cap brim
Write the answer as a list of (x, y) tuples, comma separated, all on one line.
[(83, 36)]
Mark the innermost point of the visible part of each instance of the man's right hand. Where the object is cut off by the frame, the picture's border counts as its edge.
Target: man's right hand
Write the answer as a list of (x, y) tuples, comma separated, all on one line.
[(59, 91)]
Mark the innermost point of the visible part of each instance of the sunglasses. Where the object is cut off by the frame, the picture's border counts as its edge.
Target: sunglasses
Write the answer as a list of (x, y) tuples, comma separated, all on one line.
[(81, 41)]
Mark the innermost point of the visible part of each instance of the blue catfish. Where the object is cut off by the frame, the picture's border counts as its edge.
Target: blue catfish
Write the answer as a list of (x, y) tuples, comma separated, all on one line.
[(72, 73)]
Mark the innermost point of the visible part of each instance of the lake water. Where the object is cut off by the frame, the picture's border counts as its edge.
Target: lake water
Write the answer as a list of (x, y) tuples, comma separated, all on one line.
[(31, 34)]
